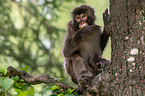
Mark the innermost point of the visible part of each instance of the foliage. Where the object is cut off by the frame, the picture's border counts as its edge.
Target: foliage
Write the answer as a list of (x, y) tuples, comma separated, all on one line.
[(20, 88), (6, 83), (24, 89), (53, 90), (3, 70)]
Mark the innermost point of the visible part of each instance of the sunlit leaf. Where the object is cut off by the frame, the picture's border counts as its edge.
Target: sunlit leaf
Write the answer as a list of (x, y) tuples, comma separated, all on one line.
[(25, 69), (60, 79), (15, 78), (3, 70), (6, 84), (70, 95), (18, 91), (70, 90), (31, 92), (37, 94), (1, 81), (55, 87), (25, 93), (61, 95)]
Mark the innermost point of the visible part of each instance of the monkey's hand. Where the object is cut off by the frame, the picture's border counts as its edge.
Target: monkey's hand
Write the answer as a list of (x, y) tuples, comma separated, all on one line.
[(95, 28), (85, 30), (106, 17), (82, 33), (90, 30)]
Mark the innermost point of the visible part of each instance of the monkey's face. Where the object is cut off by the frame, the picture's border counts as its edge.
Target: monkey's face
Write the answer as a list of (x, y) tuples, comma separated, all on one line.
[(82, 20)]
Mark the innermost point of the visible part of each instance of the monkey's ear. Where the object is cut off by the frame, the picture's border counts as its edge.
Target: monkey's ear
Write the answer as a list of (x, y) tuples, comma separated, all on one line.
[(72, 22)]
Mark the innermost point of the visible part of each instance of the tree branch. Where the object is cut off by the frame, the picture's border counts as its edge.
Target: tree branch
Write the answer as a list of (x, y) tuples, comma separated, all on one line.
[(98, 84), (43, 78)]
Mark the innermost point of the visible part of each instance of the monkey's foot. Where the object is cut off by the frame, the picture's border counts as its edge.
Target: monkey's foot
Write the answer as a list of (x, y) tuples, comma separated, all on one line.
[(84, 81), (82, 85), (102, 63)]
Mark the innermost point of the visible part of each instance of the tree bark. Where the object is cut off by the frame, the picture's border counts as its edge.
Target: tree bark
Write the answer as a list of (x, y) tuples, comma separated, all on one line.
[(128, 46), (125, 76)]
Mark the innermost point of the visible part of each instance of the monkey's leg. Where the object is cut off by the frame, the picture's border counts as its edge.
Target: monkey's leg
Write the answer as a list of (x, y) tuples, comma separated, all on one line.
[(81, 71), (70, 71), (94, 63)]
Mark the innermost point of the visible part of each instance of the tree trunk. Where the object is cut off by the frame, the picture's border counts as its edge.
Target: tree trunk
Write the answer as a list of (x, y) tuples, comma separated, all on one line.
[(125, 76), (128, 47)]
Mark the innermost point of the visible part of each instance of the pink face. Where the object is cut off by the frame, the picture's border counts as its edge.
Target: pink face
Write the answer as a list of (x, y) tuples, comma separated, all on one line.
[(81, 19)]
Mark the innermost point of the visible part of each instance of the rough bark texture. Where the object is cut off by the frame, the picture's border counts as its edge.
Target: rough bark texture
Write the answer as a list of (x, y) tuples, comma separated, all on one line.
[(128, 47), (125, 76)]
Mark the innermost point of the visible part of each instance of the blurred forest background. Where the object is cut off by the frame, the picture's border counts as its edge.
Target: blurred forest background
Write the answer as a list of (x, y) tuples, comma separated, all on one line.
[(32, 33)]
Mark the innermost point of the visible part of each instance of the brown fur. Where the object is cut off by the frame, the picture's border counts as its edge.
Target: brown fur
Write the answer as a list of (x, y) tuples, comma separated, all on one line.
[(82, 47)]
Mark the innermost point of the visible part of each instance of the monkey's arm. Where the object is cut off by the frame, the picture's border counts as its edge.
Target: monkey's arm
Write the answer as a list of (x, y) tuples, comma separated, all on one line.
[(84, 32), (73, 38), (104, 39), (69, 47), (106, 33)]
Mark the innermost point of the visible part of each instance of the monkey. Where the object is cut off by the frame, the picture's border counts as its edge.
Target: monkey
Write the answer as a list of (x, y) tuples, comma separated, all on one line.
[(84, 44)]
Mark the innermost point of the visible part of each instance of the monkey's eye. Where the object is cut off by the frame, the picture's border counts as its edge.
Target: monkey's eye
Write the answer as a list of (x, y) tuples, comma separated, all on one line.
[(84, 17), (77, 18)]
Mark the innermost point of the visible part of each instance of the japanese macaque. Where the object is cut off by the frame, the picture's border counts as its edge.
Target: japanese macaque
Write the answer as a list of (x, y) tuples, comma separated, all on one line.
[(84, 44)]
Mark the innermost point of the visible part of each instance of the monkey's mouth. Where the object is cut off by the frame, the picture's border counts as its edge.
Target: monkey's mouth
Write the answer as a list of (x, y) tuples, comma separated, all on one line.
[(83, 24)]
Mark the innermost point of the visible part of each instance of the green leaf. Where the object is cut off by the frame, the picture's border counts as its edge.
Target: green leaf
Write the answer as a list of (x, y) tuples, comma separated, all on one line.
[(3, 70), (21, 80), (17, 85), (55, 87), (31, 92), (20, 93), (16, 78), (2, 93), (60, 79), (61, 95), (70, 90), (25, 69), (6, 84), (25, 93), (70, 95), (1, 81), (37, 94)]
